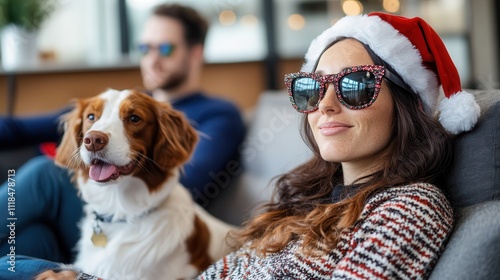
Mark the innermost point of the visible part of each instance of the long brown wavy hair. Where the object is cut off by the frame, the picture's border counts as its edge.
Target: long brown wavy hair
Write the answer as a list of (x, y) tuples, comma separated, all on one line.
[(302, 208)]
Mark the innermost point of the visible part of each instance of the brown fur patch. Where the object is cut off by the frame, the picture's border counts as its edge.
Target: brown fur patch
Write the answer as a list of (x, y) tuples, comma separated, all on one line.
[(76, 124), (161, 141), (197, 245)]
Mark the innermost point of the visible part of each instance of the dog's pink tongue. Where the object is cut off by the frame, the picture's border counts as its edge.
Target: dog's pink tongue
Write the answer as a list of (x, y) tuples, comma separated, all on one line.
[(102, 172)]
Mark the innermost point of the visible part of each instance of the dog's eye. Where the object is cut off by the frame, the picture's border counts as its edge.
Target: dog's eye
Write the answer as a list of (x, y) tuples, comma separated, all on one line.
[(134, 119), (91, 117)]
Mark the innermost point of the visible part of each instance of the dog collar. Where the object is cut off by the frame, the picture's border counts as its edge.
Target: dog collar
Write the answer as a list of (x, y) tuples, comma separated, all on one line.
[(96, 217), (99, 239), (105, 218)]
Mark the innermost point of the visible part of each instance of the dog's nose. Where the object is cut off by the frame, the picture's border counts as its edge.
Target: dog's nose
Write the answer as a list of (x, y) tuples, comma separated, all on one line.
[(95, 141)]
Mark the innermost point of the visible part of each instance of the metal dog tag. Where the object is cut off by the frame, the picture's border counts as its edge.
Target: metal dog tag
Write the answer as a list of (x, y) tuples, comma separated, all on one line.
[(99, 239)]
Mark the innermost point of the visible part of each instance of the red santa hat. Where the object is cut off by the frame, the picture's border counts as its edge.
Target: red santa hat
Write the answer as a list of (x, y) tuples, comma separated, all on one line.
[(415, 51)]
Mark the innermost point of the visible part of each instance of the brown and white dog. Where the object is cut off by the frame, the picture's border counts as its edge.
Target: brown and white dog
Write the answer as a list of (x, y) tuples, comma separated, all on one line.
[(126, 151)]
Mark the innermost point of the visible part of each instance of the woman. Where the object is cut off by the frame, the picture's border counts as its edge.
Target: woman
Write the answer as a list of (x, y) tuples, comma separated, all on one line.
[(368, 204)]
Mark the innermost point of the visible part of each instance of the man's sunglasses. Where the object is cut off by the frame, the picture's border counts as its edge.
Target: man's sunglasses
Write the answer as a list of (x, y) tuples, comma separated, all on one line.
[(356, 87), (165, 49)]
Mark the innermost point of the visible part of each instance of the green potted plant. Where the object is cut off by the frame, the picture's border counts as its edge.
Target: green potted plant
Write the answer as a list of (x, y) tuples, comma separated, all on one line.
[(20, 21)]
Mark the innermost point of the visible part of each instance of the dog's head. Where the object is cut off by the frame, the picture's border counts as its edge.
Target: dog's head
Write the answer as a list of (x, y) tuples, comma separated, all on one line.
[(125, 133)]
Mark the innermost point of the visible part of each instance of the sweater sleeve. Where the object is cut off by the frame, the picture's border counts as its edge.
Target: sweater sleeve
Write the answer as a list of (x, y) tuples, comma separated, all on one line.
[(84, 276), (398, 237), (232, 266), (24, 131), (215, 159)]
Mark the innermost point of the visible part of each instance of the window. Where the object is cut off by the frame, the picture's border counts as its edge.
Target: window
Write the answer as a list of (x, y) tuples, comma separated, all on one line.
[(236, 29), (88, 31), (82, 32)]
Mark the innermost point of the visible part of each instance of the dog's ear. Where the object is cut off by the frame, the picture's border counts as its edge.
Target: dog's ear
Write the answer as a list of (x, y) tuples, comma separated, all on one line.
[(67, 154), (176, 138)]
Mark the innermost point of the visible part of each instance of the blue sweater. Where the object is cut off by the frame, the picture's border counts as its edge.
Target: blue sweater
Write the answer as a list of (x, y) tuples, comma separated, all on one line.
[(215, 159)]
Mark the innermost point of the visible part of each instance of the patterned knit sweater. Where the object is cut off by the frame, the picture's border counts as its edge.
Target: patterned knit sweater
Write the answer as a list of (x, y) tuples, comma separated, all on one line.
[(400, 235)]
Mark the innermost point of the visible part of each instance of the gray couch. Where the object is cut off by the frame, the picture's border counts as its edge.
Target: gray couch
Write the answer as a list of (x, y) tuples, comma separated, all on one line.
[(274, 146), (473, 251)]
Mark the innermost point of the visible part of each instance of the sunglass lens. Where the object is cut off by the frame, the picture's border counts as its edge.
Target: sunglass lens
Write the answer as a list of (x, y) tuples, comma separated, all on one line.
[(305, 93), (143, 48), (166, 49), (358, 88)]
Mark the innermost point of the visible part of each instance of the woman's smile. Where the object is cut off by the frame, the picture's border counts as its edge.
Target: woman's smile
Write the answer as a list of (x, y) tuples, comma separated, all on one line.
[(333, 128)]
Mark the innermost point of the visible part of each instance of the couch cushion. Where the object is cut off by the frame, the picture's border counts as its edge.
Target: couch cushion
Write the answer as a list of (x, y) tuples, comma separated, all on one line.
[(475, 176), (272, 146), (473, 249)]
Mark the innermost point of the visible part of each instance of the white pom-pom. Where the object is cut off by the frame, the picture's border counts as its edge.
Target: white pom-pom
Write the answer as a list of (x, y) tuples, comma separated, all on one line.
[(459, 112)]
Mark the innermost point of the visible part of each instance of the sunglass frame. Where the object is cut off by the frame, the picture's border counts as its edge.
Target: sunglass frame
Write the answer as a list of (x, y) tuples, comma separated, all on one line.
[(377, 70)]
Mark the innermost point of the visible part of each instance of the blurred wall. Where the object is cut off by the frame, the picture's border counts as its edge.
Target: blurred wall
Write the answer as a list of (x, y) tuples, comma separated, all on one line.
[(484, 44), (42, 92)]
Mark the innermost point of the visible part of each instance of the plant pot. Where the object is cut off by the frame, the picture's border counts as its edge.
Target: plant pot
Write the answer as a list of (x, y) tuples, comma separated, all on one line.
[(19, 48)]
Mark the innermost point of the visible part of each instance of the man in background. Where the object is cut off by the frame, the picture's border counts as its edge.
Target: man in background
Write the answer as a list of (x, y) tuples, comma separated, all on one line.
[(47, 206)]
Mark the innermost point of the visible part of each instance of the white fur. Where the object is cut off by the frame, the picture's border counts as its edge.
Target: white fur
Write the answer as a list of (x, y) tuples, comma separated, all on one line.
[(110, 123), (459, 112), (146, 239)]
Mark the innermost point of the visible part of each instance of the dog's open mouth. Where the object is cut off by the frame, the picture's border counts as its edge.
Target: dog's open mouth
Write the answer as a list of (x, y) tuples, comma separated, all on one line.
[(101, 171)]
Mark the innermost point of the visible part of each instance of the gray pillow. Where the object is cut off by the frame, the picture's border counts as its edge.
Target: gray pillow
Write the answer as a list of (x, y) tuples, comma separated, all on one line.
[(475, 176)]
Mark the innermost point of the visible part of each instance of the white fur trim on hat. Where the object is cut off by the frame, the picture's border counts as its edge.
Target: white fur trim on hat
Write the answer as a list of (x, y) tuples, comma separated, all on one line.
[(391, 46), (459, 112)]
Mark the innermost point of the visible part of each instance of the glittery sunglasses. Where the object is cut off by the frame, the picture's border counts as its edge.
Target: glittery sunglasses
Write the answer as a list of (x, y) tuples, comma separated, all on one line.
[(356, 87)]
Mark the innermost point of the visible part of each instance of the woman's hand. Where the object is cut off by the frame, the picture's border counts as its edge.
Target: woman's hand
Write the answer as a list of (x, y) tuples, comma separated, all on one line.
[(63, 275)]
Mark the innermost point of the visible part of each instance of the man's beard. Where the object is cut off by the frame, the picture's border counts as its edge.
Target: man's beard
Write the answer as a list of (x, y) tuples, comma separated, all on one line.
[(177, 79)]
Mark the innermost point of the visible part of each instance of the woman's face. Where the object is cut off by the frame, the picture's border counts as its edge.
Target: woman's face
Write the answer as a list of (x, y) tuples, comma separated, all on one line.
[(356, 138)]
